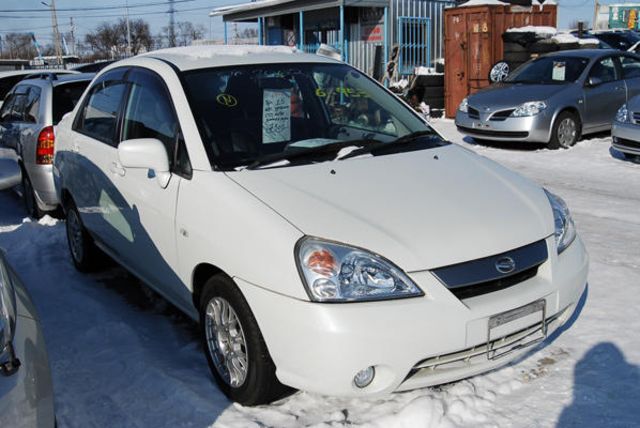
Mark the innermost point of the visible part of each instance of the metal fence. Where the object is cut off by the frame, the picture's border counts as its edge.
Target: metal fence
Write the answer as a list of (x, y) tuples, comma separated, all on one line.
[(432, 9), (414, 39)]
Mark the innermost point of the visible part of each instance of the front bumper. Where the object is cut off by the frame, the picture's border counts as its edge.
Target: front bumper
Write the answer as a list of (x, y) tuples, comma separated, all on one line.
[(535, 129), (320, 347), (626, 137)]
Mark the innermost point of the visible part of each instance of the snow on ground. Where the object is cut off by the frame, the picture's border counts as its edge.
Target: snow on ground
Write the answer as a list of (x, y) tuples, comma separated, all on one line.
[(122, 357)]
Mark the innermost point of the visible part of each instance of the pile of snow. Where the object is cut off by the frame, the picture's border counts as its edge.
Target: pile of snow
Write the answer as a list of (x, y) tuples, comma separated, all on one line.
[(540, 31), (566, 38), (400, 84), (424, 71)]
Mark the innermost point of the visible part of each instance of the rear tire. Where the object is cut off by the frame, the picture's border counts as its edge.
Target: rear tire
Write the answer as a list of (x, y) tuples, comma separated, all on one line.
[(236, 352), (566, 131), (29, 198), (83, 251)]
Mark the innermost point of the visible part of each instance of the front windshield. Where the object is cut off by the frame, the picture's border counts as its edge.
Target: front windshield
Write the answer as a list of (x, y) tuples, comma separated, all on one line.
[(245, 113), (549, 70)]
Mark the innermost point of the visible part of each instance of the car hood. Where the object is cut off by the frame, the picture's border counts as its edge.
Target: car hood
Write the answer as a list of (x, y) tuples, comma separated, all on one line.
[(505, 95), (421, 209)]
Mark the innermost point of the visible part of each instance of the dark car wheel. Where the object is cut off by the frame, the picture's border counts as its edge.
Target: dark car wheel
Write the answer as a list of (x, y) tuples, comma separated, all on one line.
[(566, 131), (29, 198), (236, 352), (84, 253)]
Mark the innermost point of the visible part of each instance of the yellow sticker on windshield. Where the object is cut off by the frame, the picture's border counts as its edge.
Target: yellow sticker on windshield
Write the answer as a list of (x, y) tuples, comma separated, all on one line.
[(227, 100)]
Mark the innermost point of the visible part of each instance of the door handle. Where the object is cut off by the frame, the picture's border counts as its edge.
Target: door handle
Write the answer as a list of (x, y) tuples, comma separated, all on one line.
[(117, 169)]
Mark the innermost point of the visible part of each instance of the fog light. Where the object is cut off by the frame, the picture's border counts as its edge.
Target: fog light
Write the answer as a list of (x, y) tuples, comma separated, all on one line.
[(364, 377)]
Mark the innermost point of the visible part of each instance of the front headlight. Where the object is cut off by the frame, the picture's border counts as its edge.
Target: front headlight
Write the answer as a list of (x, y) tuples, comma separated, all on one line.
[(464, 106), (565, 229), (623, 114), (529, 109), (334, 272), (7, 311)]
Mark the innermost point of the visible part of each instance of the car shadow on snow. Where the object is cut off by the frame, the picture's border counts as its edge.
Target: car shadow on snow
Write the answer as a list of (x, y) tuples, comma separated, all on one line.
[(606, 390), (616, 154)]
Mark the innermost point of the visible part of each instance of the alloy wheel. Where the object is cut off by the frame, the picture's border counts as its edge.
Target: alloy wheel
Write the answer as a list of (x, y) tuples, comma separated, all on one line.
[(567, 132), (226, 342)]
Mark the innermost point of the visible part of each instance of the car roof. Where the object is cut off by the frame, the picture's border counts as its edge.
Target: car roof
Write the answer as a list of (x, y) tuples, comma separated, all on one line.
[(23, 72), (585, 53), (45, 80), (208, 56), (67, 78)]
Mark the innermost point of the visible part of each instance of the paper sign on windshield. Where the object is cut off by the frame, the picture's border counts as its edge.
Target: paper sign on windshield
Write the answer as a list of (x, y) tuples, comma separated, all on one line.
[(559, 71), (276, 116)]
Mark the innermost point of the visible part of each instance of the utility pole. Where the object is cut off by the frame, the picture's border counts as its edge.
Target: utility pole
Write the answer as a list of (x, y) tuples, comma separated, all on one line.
[(172, 25), (73, 36), (596, 6), (56, 32), (128, 28)]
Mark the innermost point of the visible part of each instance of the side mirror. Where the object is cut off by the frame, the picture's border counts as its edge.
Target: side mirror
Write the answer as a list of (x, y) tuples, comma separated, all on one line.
[(10, 173), (146, 153), (594, 81)]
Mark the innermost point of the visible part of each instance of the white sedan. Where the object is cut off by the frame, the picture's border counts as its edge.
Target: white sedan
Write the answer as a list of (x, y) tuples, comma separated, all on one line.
[(326, 238)]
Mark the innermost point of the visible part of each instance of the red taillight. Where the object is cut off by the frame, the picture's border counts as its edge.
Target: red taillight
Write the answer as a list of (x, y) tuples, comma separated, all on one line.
[(44, 150)]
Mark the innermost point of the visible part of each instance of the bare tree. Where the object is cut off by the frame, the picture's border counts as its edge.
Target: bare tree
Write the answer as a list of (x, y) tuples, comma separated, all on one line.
[(110, 40), (185, 33), (18, 45)]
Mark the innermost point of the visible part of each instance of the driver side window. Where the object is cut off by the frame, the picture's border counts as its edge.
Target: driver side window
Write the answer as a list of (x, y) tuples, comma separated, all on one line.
[(604, 70)]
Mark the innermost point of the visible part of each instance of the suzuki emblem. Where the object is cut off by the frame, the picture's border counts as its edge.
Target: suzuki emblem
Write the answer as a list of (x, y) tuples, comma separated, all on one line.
[(505, 265)]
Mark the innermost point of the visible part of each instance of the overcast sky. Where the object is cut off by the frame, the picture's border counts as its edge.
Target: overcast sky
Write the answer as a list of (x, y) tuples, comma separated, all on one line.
[(196, 11)]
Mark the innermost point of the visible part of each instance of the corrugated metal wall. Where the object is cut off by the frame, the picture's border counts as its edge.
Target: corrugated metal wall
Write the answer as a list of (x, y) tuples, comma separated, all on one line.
[(433, 9)]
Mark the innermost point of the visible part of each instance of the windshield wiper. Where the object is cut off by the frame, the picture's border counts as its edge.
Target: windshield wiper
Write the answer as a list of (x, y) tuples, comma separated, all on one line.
[(325, 152), (410, 142)]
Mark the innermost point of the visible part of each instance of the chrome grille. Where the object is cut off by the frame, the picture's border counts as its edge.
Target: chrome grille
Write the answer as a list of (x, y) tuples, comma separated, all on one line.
[(481, 276), (500, 116)]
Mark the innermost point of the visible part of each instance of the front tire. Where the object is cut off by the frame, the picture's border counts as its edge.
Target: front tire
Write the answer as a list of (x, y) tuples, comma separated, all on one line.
[(566, 131), (83, 250), (237, 354)]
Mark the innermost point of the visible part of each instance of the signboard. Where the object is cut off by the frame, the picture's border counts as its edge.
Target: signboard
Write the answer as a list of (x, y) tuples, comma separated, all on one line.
[(372, 25), (624, 16)]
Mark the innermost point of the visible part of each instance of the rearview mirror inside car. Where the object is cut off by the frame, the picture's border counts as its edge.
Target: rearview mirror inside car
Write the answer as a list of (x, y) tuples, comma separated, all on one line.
[(10, 173), (147, 153)]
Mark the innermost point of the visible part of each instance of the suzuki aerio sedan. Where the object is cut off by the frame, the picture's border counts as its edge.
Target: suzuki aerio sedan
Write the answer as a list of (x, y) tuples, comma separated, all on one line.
[(325, 237)]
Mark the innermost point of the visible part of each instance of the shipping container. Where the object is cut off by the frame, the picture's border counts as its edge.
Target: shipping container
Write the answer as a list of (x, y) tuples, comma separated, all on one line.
[(473, 43)]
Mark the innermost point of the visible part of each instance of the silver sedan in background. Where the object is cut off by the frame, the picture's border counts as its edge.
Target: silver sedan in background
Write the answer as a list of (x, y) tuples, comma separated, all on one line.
[(26, 391), (553, 99), (626, 129)]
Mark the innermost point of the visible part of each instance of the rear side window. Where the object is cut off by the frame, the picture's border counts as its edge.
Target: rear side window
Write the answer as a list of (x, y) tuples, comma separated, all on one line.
[(99, 116), (14, 106), (32, 105), (8, 83), (65, 98)]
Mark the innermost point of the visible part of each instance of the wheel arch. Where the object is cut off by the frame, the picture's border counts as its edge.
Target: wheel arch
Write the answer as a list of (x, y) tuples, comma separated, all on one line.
[(571, 109), (201, 274)]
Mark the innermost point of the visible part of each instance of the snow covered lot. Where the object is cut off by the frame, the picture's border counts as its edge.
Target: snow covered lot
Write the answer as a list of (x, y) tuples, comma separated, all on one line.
[(121, 357)]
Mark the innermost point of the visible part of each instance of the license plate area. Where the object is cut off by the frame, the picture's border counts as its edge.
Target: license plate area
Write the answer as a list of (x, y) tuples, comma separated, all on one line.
[(499, 344)]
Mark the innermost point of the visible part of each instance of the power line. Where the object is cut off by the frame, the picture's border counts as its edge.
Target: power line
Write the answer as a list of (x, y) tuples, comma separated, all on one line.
[(111, 15), (80, 9)]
